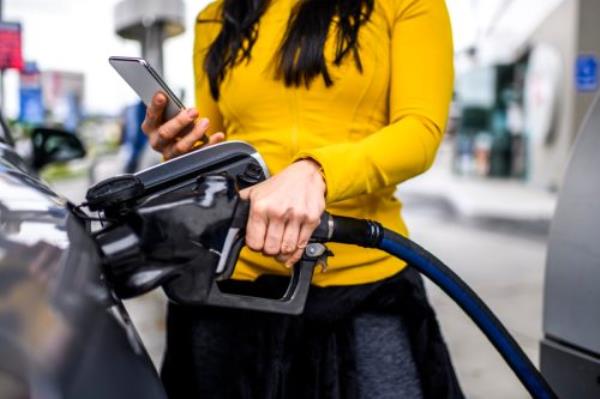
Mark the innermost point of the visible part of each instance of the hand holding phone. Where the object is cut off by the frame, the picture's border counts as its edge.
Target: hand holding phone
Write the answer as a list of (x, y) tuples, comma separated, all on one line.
[(174, 137), (172, 129)]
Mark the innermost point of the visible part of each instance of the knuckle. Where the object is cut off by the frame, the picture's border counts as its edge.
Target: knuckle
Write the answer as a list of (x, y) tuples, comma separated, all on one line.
[(295, 214), (294, 258), (183, 118), (272, 241), (303, 216), (173, 152), (154, 143), (158, 103), (288, 247), (276, 212), (268, 252), (163, 133), (312, 219), (272, 236), (270, 249), (259, 207), (256, 217), (182, 146), (254, 239), (253, 245)]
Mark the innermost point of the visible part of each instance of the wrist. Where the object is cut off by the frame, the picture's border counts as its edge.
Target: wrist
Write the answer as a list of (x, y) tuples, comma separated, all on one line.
[(315, 171)]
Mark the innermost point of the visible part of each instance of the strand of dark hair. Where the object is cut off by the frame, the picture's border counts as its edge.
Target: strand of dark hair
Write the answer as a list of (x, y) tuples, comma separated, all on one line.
[(301, 56)]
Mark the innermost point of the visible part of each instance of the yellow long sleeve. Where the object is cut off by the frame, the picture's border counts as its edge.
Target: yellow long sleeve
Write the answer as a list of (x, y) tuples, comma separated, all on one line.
[(369, 131), (420, 91)]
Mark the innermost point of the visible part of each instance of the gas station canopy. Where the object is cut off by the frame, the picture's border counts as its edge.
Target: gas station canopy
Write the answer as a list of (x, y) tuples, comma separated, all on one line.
[(133, 17)]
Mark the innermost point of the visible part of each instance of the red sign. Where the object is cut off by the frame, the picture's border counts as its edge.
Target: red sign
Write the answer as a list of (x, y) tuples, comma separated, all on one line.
[(11, 54)]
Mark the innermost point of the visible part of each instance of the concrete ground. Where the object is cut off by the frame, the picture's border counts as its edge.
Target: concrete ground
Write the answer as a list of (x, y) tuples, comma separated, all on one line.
[(500, 258), (506, 269)]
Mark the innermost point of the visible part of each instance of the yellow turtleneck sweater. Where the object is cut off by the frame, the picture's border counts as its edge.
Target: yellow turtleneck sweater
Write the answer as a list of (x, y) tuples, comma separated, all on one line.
[(369, 131)]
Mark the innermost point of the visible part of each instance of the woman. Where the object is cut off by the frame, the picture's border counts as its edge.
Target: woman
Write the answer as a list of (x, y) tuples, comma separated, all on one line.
[(344, 99)]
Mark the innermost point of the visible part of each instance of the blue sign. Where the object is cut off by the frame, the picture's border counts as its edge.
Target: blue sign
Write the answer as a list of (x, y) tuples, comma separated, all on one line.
[(586, 73), (30, 95), (31, 106)]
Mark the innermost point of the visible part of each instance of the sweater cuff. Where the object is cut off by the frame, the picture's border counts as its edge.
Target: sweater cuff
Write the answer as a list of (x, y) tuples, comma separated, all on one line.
[(342, 167)]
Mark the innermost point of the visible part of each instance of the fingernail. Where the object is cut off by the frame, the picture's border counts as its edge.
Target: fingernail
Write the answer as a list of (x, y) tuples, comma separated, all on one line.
[(203, 123), (192, 112), (302, 245)]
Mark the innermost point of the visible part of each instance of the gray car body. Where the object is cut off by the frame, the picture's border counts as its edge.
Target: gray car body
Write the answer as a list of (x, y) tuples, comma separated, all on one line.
[(62, 333)]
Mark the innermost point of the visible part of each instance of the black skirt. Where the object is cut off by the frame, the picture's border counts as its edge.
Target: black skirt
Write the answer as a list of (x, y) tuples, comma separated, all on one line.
[(228, 353)]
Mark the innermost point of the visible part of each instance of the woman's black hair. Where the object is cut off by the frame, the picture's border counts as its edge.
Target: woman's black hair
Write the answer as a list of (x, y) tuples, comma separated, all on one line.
[(301, 54)]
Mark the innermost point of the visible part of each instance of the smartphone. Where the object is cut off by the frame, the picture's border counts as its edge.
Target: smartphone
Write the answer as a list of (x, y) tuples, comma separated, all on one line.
[(145, 81)]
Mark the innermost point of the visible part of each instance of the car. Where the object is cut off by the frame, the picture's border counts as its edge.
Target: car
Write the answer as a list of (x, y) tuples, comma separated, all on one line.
[(63, 333)]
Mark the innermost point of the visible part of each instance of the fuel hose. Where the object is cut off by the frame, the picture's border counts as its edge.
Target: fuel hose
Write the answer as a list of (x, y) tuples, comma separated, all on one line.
[(371, 234)]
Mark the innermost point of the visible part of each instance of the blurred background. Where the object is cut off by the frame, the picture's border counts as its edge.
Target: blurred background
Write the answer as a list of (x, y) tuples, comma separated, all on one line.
[(526, 73)]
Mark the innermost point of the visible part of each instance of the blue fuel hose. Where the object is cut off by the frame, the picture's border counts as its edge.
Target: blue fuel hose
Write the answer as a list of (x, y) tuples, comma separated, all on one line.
[(373, 235)]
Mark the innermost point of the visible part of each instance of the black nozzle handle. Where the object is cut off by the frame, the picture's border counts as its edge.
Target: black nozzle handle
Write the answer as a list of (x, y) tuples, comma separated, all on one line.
[(331, 228), (293, 300)]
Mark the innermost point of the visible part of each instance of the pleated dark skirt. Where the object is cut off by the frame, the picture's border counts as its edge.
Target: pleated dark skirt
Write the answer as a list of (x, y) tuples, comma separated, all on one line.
[(378, 340)]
